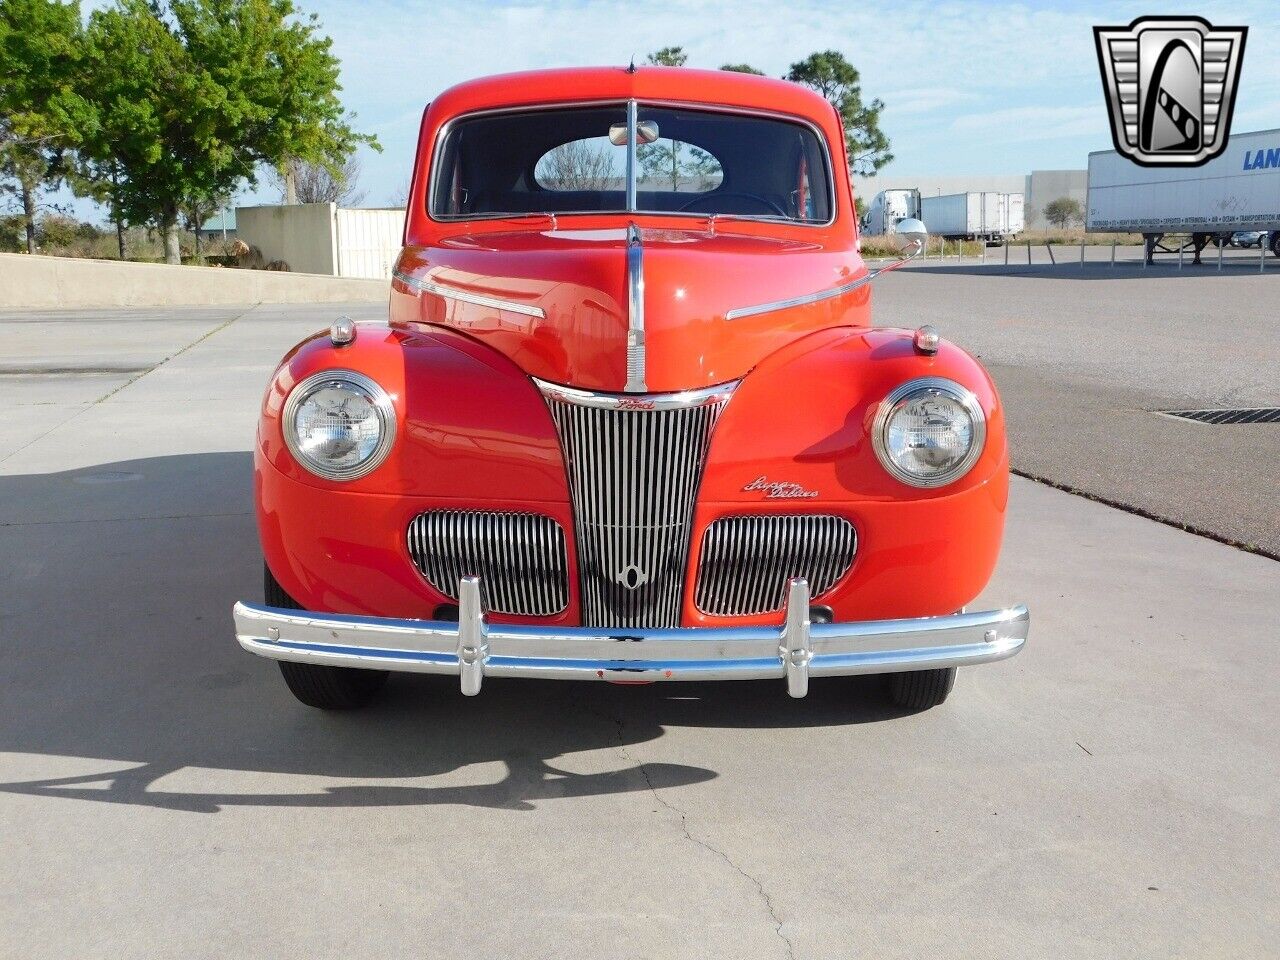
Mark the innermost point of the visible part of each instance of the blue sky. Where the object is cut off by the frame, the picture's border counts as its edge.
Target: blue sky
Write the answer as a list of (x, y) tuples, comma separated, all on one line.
[(973, 87)]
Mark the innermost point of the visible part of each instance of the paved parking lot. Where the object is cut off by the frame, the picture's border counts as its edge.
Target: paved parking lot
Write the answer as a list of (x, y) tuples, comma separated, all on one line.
[(1084, 355), (1110, 792)]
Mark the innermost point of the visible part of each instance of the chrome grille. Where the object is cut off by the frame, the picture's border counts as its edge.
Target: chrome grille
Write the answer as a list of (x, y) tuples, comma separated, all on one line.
[(519, 558), (634, 462), (746, 561)]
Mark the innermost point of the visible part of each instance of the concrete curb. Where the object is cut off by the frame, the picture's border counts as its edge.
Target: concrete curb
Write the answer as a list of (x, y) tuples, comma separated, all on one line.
[(63, 282)]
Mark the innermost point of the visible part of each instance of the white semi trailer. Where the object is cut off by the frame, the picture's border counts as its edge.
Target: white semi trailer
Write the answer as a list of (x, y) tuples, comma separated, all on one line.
[(888, 207), (985, 215), (1235, 192)]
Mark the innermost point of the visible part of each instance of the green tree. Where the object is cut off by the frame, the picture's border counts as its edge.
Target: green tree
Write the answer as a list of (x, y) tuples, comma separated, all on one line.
[(669, 57), (41, 110), (1063, 212), (192, 96), (835, 78), (741, 68)]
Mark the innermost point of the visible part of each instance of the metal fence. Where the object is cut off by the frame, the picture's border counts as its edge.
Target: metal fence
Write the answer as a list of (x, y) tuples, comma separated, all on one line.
[(1113, 255)]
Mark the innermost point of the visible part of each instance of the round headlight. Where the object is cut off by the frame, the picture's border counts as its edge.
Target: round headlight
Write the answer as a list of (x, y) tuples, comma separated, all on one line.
[(339, 424), (929, 432)]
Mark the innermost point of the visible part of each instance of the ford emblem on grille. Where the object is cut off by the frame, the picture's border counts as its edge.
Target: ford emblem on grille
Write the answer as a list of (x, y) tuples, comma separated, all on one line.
[(632, 576)]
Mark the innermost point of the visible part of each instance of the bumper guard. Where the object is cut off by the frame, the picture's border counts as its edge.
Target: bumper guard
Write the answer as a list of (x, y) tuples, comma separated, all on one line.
[(472, 649)]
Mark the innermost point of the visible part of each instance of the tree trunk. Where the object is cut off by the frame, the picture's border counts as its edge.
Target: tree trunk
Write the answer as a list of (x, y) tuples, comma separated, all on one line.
[(169, 229), (290, 184), (29, 211), (115, 208)]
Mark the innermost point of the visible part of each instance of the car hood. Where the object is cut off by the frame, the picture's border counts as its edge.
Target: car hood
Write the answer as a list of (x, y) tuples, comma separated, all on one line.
[(556, 301)]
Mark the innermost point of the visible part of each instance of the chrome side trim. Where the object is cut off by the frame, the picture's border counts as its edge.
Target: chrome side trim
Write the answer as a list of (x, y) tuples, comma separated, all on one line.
[(704, 397), (466, 296), (635, 308), (739, 313), (916, 247), (474, 649)]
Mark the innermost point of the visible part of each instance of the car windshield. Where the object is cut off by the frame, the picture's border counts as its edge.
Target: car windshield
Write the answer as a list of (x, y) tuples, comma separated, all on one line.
[(574, 160)]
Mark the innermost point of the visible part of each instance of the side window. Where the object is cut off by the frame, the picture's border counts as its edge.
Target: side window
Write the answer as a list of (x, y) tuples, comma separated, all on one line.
[(591, 164), (676, 166)]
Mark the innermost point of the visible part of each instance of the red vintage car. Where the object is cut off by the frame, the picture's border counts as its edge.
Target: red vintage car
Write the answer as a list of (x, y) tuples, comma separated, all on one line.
[(628, 418)]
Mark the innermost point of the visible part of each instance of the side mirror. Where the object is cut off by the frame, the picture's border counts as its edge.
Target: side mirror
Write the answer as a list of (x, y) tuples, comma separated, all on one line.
[(911, 235)]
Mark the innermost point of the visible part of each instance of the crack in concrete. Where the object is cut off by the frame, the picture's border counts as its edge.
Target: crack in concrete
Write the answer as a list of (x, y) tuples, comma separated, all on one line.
[(620, 723), (132, 380)]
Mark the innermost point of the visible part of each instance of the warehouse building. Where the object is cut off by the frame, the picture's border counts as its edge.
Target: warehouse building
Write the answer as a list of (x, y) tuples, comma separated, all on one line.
[(1039, 187)]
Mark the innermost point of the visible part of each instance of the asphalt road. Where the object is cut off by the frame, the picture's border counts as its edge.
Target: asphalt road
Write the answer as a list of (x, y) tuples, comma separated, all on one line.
[(1109, 792), (1083, 356)]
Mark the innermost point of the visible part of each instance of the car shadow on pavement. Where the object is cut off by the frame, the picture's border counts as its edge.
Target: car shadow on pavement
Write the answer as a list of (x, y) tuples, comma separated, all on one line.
[(124, 683)]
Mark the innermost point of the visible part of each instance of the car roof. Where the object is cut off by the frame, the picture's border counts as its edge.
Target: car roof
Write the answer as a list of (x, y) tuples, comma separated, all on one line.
[(671, 84)]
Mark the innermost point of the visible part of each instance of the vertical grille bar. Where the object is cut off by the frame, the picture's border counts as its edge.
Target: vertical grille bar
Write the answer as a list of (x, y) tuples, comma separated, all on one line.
[(521, 558), (634, 465), (746, 561)]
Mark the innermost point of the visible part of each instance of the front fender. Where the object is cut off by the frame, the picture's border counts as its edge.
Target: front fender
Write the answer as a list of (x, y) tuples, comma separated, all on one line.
[(469, 421), (804, 418), (472, 433)]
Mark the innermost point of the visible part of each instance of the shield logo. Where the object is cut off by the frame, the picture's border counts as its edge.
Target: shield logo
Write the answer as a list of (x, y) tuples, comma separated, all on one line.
[(1170, 84)]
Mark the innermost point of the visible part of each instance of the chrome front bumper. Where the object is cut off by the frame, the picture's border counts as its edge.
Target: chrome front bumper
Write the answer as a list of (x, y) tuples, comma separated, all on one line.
[(473, 649)]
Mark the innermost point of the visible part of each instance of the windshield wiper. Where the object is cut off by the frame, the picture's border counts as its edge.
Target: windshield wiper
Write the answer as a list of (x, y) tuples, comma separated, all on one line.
[(764, 217)]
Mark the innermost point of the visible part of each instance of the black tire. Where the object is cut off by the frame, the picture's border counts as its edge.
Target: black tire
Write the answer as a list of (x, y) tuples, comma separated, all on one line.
[(316, 685), (921, 689), (1275, 243)]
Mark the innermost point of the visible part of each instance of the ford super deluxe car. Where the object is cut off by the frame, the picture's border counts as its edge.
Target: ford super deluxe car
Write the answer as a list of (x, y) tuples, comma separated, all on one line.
[(629, 418)]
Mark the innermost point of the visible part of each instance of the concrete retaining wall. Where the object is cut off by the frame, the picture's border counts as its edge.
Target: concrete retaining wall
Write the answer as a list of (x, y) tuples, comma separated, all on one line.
[(325, 238), (302, 235), (60, 282)]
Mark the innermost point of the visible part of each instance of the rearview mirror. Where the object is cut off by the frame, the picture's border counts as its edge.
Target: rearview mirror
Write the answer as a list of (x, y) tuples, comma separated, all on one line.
[(911, 235), (646, 132)]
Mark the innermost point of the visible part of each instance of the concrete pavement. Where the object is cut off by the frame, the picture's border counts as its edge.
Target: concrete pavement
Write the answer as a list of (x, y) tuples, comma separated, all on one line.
[(1082, 357), (1110, 792)]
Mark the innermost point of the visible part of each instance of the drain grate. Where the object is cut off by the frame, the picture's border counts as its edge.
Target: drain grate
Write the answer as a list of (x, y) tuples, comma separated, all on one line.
[(1234, 415)]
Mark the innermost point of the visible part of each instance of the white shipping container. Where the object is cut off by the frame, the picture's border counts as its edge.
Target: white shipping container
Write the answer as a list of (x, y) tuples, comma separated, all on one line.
[(985, 215), (368, 241), (1238, 190)]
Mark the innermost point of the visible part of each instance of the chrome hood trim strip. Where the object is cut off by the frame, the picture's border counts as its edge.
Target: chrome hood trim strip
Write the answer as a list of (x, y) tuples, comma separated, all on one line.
[(681, 400), (466, 296), (817, 297), (635, 311)]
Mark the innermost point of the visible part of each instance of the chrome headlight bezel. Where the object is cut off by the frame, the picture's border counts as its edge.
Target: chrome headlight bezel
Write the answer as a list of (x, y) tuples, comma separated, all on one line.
[(348, 379), (909, 390)]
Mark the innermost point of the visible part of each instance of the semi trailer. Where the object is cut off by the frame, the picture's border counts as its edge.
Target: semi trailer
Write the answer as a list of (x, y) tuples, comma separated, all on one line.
[(985, 215), (887, 208), (1236, 192)]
